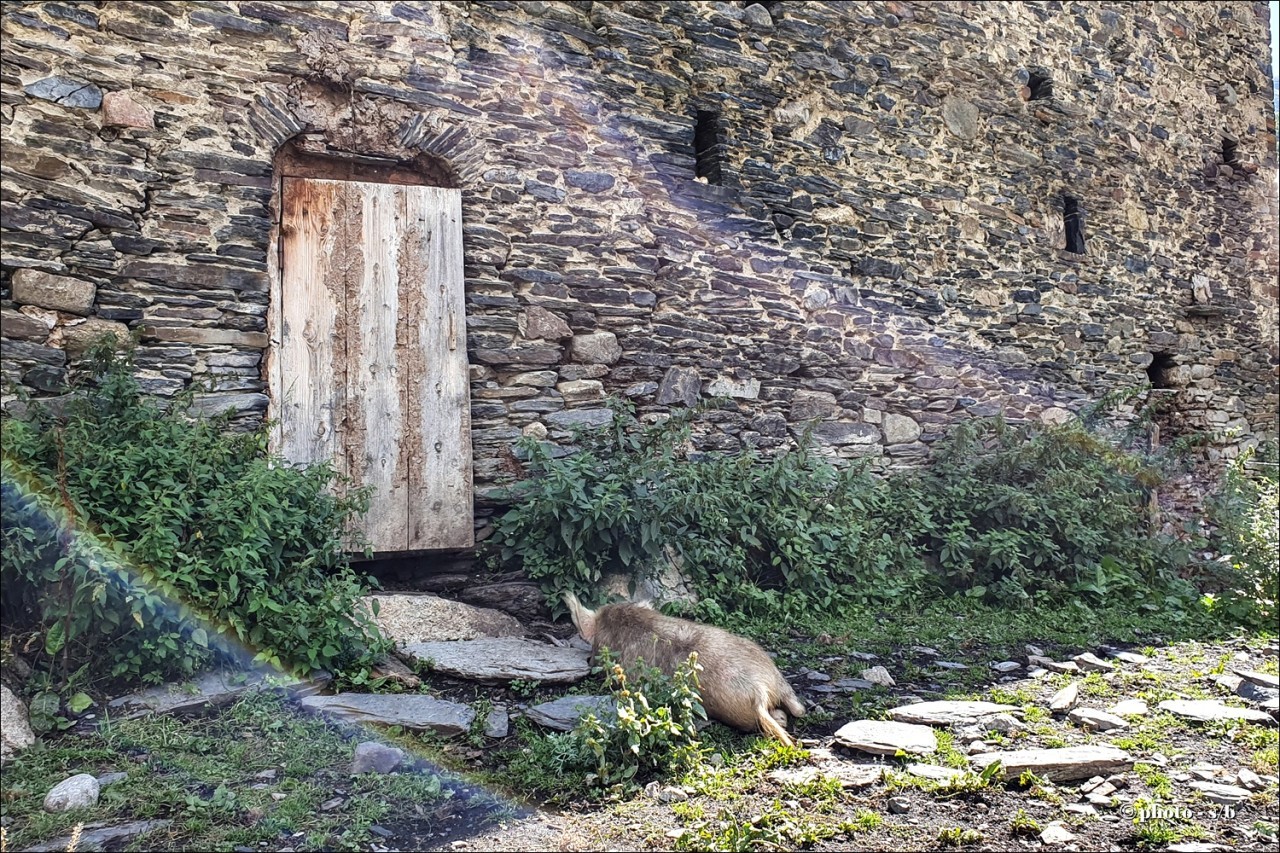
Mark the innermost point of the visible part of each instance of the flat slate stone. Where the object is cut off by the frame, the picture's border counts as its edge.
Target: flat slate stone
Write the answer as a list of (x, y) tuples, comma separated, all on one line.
[(211, 688), (960, 116), (498, 723), (1129, 657), (1092, 718), (1261, 679), (503, 659), (1265, 697), (1090, 662), (1129, 708), (407, 710), (1208, 710), (848, 775), (1056, 834), (1058, 765), (880, 737), (1227, 795), (1065, 699), (947, 713), (563, 714), (67, 91), (934, 772), (374, 757), (96, 836)]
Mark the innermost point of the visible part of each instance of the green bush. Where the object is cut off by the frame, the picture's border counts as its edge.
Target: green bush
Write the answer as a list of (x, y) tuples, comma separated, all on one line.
[(1054, 512), (744, 527), (1246, 515), (153, 542), (1005, 514)]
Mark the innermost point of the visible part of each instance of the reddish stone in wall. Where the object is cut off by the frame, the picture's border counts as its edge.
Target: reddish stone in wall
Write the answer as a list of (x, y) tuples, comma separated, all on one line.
[(119, 109)]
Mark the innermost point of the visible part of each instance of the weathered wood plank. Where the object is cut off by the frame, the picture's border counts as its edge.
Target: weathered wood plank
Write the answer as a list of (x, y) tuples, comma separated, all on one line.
[(311, 311), (375, 416), (439, 411)]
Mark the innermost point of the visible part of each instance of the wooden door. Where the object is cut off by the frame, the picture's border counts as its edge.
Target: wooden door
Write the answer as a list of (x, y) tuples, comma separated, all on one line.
[(371, 371)]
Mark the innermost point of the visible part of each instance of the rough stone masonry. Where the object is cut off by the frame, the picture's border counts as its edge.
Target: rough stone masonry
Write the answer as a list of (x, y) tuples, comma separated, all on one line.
[(882, 216)]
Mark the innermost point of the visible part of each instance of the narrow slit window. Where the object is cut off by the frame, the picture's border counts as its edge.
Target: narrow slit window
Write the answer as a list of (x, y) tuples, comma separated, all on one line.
[(1230, 151), (1073, 220), (1040, 84), (1160, 370), (708, 146)]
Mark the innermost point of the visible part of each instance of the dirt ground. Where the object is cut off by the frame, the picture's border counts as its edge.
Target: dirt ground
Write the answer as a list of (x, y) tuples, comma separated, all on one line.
[(269, 777)]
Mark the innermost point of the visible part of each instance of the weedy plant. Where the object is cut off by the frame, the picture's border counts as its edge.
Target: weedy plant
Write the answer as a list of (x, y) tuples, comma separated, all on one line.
[(153, 541), (1246, 515), (654, 727), (653, 733)]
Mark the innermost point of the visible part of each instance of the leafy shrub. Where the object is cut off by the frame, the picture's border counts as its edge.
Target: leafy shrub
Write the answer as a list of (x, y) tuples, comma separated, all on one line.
[(1054, 512), (744, 527), (1002, 513), (129, 531), (1246, 514), (653, 733)]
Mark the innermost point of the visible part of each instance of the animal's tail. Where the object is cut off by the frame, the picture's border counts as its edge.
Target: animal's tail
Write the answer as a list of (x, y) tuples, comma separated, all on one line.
[(583, 618), (770, 726)]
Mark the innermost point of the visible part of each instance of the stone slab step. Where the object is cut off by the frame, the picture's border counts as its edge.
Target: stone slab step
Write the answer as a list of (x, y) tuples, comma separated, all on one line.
[(495, 659), (407, 710)]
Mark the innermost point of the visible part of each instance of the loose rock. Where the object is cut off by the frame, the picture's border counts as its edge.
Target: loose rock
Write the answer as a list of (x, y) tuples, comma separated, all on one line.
[(934, 772), (498, 722), (1090, 662), (1227, 795), (374, 757), (1058, 765), (1262, 679), (879, 737), (78, 792), (1092, 718), (878, 675), (15, 731), (563, 714), (1056, 833), (899, 805), (96, 836), (947, 713), (422, 618), (1065, 699), (1129, 708), (1208, 710)]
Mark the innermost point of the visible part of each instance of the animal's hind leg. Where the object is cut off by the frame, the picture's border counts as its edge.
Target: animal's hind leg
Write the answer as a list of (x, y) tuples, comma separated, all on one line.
[(771, 727)]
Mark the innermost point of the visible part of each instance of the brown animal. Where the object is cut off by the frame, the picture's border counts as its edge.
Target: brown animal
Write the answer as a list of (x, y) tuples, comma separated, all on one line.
[(739, 683)]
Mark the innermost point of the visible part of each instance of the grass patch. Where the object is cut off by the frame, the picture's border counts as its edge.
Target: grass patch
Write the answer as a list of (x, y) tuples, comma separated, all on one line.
[(254, 774)]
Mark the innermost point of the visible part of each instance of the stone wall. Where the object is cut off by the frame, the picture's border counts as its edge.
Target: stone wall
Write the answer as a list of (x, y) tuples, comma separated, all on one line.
[(851, 212)]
